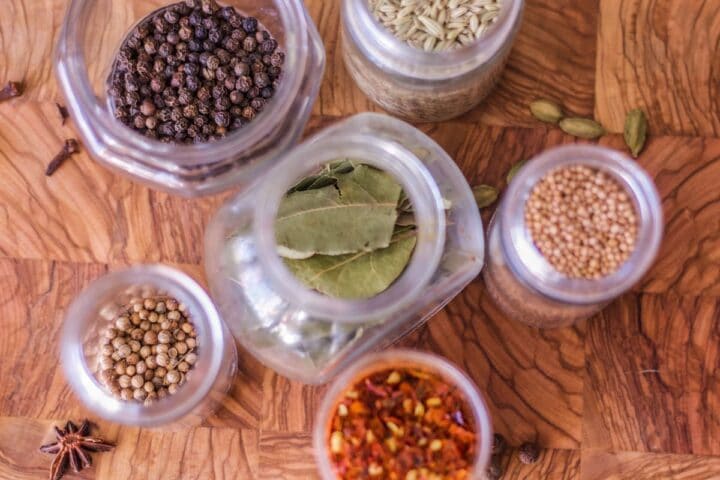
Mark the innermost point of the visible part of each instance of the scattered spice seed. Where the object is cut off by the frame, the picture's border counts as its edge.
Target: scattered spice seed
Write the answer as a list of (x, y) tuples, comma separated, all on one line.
[(494, 470), (546, 111), (70, 147), (485, 195), (384, 429), (499, 444), (529, 453), (582, 127), (582, 221), (72, 448), (146, 353), (514, 170), (437, 25), (193, 72), (11, 90), (62, 110), (635, 132)]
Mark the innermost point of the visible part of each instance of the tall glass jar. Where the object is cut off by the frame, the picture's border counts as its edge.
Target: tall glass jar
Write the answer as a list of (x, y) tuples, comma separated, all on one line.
[(91, 35), (101, 302), (477, 413), (419, 85), (524, 284), (309, 336)]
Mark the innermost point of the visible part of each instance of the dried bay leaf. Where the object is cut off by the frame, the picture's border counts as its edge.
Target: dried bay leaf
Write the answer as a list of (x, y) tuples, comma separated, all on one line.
[(358, 275), (357, 214), (405, 220)]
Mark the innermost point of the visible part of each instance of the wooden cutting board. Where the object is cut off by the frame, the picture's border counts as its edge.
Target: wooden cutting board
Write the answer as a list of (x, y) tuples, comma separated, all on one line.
[(633, 393)]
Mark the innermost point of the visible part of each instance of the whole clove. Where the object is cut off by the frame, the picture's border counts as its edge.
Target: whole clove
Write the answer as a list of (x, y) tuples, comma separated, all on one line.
[(11, 90), (70, 147), (63, 111)]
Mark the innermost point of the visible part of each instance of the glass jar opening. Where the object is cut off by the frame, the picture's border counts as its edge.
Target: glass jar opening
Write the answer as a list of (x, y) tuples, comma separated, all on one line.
[(94, 309), (399, 359), (395, 56), (531, 267), (419, 186)]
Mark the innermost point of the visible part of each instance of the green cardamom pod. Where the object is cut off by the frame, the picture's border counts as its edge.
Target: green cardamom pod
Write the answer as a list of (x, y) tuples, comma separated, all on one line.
[(546, 111), (514, 170), (485, 195), (635, 131), (582, 127)]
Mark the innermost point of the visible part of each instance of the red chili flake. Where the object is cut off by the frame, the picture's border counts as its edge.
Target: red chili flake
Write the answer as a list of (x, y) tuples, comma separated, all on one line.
[(402, 425)]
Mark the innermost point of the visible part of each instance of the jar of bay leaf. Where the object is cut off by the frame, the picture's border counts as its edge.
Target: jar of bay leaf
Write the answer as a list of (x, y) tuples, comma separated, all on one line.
[(522, 280), (144, 297), (441, 80), (96, 32), (310, 336)]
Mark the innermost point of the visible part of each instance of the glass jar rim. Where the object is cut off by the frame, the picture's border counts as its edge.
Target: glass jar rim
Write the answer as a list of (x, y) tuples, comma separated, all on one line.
[(72, 74), (395, 56), (205, 317), (420, 188), (531, 267), (404, 357)]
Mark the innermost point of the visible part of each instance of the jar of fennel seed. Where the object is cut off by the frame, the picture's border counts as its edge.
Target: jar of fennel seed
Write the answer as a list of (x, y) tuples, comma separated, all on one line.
[(310, 336), (549, 292), (428, 81), (85, 59), (193, 371)]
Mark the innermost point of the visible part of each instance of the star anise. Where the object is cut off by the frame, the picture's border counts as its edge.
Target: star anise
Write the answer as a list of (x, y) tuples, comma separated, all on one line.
[(73, 447)]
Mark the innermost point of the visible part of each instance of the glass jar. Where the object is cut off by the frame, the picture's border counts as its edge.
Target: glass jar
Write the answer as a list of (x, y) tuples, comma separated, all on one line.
[(405, 359), (91, 36), (308, 336), (93, 310), (419, 85), (524, 284)]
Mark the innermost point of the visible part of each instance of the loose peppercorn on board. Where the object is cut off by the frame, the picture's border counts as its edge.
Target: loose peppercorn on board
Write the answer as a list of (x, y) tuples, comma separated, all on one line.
[(632, 393)]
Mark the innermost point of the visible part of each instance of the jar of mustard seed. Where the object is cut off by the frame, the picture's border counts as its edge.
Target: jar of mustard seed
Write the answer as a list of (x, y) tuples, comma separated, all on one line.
[(577, 227), (310, 336), (435, 64), (240, 134), (146, 347)]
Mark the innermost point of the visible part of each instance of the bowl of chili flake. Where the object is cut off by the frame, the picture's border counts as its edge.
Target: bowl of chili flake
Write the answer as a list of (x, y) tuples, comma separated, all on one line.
[(403, 415)]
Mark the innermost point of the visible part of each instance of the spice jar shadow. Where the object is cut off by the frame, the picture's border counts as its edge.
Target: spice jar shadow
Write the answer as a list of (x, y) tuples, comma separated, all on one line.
[(87, 46), (524, 284), (100, 308)]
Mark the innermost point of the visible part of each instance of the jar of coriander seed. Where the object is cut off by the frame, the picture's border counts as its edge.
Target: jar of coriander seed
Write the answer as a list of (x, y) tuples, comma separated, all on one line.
[(428, 61), (146, 347), (357, 237), (189, 96), (578, 226)]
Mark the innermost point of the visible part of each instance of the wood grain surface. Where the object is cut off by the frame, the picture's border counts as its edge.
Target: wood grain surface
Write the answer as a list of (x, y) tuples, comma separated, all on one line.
[(632, 393)]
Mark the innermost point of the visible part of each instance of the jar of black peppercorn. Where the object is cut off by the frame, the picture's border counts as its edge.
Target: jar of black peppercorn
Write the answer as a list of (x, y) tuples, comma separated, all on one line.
[(189, 96)]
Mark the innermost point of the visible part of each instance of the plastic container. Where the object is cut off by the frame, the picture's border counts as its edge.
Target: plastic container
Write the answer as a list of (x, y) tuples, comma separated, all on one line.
[(207, 383), (524, 285), (419, 85), (92, 33), (309, 336), (479, 416)]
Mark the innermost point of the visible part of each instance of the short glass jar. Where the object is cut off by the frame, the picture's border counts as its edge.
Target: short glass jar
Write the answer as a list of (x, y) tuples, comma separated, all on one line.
[(100, 303), (519, 278), (91, 35), (309, 336), (478, 416), (424, 86)]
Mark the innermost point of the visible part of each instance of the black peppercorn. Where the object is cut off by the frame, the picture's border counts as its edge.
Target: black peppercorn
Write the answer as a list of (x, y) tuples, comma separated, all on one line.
[(236, 97), (159, 65), (139, 122), (176, 114), (230, 82), (208, 45), (249, 44), (249, 24), (186, 33), (223, 55), (181, 125), (209, 6), (196, 18), (254, 57), (253, 92), (193, 131), (222, 73), (151, 123), (494, 470), (261, 36), (194, 45), (238, 34), (529, 453), (210, 23), (192, 83), (182, 51), (248, 113), (121, 113), (132, 98), (208, 129), (131, 83), (241, 69), (232, 44), (157, 84), (238, 123), (171, 16), (222, 103), (221, 119), (147, 107), (267, 60), (161, 25), (150, 46), (190, 111), (184, 96), (173, 38), (244, 84), (261, 80), (213, 62), (178, 79), (226, 12), (204, 107), (191, 68), (172, 60), (235, 20), (200, 120), (158, 101), (192, 3), (200, 32), (219, 91), (158, 37), (267, 92), (257, 104), (274, 72), (215, 35), (208, 74), (236, 111), (258, 67), (145, 91), (268, 46), (165, 115), (165, 50)]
